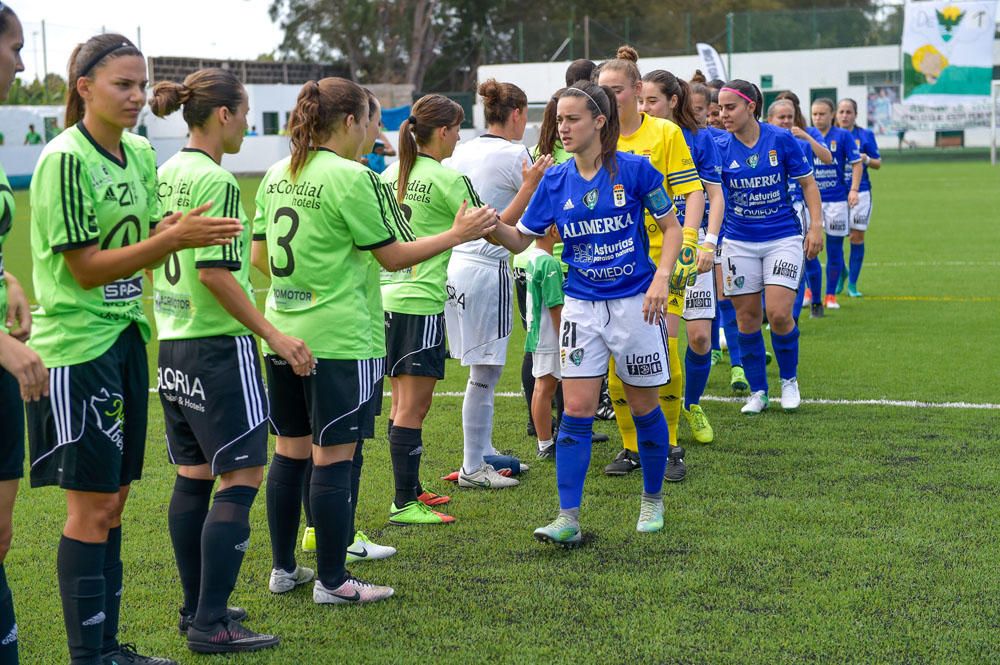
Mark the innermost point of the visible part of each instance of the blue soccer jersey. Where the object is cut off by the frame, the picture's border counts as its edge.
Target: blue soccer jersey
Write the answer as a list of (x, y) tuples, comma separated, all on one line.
[(830, 177), (601, 222), (864, 140), (755, 181), (794, 189), (706, 161)]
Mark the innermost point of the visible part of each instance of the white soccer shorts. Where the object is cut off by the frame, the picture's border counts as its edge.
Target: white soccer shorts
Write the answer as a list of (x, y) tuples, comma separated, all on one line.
[(836, 217), (479, 309), (750, 266), (861, 214), (593, 332)]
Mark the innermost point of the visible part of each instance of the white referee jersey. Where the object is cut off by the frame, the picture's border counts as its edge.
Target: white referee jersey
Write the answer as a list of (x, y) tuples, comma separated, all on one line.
[(493, 164)]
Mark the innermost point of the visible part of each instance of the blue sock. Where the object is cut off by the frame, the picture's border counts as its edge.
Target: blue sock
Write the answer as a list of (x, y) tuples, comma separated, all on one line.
[(728, 315), (715, 329), (754, 360), (834, 262), (814, 279), (697, 367), (786, 352), (572, 459), (654, 447), (857, 258), (800, 296)]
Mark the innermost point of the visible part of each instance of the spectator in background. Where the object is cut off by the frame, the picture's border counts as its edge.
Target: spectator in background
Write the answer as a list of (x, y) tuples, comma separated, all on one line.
[(253, 131), (1, 138), (375, 160), (32, 137)]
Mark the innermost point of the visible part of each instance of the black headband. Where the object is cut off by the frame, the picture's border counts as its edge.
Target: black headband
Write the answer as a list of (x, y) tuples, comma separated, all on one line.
[(412, 119), (102, 55)]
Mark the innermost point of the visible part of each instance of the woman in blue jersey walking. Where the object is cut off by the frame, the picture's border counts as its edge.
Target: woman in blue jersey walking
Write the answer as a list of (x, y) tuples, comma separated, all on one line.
[(763, 247), (616, 297)]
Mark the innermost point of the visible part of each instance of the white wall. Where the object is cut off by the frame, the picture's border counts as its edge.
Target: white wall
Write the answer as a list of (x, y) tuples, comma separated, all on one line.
[(798, 71)]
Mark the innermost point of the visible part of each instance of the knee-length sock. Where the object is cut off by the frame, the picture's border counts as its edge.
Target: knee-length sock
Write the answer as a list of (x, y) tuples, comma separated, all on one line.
[(405, 449), (573, 459), (113, 588), (728, 314), (834, 262), (283, 497), (754, 360), (857, 259), (672, 394), (81, 586), (356, 464), (654, 448), (814, 279), (185, 519), (225, 539), (306, 509), (331, 500), (477, 414), (786, 352), (8, 623), (697, 367)]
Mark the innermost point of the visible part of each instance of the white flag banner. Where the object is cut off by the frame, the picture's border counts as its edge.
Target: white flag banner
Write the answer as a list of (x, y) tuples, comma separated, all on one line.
[(714, 69), (948, 52)]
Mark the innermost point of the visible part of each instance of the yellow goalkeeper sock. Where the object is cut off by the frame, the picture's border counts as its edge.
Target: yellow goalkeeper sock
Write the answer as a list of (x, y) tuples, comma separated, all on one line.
[(670, 394), (623, 416)]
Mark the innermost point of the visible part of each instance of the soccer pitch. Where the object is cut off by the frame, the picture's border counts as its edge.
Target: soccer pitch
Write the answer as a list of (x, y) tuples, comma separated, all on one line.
[(861, 529)]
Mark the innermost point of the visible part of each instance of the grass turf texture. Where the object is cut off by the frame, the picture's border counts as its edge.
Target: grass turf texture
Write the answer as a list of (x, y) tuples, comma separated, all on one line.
[(836, 534)]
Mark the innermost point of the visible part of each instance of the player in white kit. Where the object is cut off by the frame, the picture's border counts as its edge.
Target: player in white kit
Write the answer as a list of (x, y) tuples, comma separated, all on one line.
[(479, 312)]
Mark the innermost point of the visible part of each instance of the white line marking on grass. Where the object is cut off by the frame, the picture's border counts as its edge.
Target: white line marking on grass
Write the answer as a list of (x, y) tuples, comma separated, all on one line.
[(906, 404)]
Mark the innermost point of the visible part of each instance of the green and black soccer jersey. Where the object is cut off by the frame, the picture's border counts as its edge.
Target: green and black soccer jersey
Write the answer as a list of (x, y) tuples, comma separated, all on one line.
[(320, 227), (82, 195), (544, 291), (6, 220), (434, 193), (183, 306)]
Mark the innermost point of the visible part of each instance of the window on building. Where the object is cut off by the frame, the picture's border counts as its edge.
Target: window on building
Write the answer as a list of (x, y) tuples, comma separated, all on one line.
[(816, 93), (887, 77), (271, 125)]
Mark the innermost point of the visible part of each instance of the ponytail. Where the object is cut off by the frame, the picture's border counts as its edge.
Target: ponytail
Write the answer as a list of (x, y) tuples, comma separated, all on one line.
[(85, 59), (322, 106), (201, 94), (671, 86), (598, 99), (430, 113), (548, 132)]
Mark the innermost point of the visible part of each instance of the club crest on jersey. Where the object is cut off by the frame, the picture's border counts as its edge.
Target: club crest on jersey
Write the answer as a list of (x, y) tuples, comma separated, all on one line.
[(590, 199), (619, 195), (772, 157), (833, 145), (100, 176), (753, 160)]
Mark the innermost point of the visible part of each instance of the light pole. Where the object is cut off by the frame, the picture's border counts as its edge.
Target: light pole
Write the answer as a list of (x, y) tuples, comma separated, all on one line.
[(34, 42)]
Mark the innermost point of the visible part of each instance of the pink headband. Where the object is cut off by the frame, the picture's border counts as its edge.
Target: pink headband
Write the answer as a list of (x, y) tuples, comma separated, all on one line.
[(736, 92)]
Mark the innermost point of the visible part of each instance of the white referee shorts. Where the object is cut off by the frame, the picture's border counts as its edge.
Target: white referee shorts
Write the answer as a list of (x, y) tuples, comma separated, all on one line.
[(593, 332), (836, 217), (750, 266), (862, 213), (479, 309)]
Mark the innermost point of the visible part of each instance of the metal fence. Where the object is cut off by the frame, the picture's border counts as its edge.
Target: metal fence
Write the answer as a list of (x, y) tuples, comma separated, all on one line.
[(661, 32)]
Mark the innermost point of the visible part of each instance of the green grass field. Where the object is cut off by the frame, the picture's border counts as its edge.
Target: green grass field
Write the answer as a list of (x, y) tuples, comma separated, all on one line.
[(845, 533)]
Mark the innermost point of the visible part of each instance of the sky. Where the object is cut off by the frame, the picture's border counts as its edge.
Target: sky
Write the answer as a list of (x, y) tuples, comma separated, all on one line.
[(235, 29)]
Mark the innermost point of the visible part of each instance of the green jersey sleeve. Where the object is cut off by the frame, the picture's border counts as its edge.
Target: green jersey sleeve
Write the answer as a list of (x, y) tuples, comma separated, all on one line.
[(225, 198), (548, 273), (71, 221), (462, 190), (259, 224), (370, 199)]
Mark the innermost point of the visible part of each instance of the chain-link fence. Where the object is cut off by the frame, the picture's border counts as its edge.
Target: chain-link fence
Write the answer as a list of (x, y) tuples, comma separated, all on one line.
[(661, 32)]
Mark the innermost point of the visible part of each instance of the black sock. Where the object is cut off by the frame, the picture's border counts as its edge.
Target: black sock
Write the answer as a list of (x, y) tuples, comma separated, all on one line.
[(331, 502), (356, 464), (284, 501), (224, 541), (81, 585), (8, 623), (306, 508), (113, 588), (527, 380), (185, 517), (405, 448)]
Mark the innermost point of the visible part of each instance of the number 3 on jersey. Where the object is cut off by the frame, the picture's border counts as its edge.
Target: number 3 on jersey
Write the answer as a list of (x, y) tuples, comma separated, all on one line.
[(285, 241)]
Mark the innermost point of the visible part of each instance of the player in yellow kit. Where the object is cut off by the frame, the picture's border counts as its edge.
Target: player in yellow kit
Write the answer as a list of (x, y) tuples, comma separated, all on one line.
[(663, 143)]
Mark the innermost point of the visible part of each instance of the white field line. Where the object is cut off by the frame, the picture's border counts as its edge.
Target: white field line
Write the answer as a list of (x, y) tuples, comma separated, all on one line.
[(905, 404)]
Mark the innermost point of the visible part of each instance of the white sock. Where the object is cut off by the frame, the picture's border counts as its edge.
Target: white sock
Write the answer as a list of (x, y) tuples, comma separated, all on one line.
[(477, 414)]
